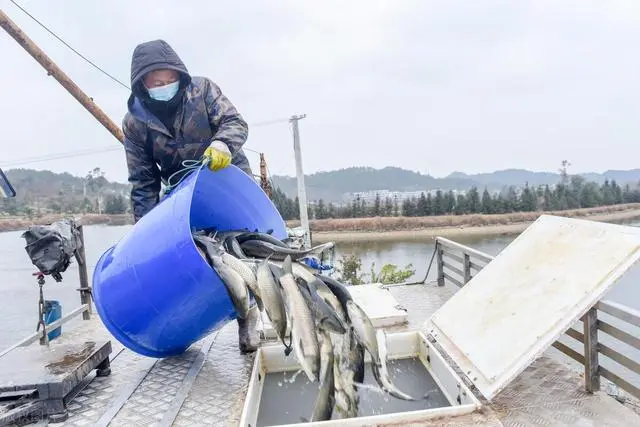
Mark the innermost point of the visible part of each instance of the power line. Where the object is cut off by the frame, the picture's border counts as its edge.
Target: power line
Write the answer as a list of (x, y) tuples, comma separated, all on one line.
[(69, 46)]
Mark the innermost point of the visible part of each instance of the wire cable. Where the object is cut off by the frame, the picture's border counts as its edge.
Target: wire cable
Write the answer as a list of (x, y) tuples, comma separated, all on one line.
[(69, 46)]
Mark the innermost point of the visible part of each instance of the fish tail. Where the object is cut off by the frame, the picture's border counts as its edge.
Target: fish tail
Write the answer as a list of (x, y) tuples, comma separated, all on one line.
[(286, 265), (288, 348)]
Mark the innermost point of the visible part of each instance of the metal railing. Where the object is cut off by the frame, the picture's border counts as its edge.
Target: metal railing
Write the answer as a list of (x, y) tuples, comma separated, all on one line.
[(458, 264), (84, 309)]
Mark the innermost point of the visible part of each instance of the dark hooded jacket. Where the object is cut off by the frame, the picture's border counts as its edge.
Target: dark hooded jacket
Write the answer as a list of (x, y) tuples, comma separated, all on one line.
[(159, 136)]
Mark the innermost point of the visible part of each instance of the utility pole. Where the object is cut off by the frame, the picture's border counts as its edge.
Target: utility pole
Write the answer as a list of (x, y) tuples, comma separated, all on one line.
[(264, 176), (302, 192), (53, 70)]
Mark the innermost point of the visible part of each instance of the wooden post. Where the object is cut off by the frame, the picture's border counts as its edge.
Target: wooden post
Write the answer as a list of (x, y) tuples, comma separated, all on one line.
[(81, 258), (467, 268), (591, 365), (440, 253)]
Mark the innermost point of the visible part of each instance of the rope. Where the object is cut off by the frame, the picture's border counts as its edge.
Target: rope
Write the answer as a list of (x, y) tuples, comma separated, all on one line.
[(188, 167)]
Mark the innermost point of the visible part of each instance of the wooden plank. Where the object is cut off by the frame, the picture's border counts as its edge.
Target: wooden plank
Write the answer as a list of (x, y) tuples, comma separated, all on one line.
[(464, 249), (619, 358), (81, 259), (452, 280), (454, 257), (569, 352), (440, 261), (591, 375), (620, 311), (621, 335), (454, 269), (578, 336), (477, 267), (466, 267), (625, 385)]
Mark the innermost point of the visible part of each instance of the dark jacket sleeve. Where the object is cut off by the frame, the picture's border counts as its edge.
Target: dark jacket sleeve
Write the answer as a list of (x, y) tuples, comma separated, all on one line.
[(226, 121), (144, 174)]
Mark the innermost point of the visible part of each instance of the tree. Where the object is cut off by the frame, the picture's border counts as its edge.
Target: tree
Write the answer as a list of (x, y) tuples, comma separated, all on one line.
[(461, 205), (115, 204), (474, 200), (487, 203), (377, 208), (320, 210), (528, 200), (408, 208), (438, 204), (547, 203), (388, 207), (422, 208), (449, 203)]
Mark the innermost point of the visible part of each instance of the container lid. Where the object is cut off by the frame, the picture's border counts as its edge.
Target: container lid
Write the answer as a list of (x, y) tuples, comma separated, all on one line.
[(529, 295)]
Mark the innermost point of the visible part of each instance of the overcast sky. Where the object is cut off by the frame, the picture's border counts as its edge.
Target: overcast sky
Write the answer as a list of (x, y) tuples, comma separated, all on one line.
[(431, 86)]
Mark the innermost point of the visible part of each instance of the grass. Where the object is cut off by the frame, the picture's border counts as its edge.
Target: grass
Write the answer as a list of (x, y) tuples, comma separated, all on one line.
[(383, 224)]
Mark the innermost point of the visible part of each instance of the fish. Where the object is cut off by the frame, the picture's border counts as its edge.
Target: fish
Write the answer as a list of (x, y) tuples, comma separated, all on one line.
[(324, 315), (305, 342), (262, 249), (338, 289), (348, 373), (232, 246), (381, 374), (363, 329), (236, 287), (249, 235), (316, 285), (272, 300), (247, 275), (325, 400), (232, 280)]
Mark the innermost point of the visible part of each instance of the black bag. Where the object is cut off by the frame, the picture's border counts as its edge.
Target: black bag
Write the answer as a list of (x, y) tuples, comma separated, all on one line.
[(51, 247)]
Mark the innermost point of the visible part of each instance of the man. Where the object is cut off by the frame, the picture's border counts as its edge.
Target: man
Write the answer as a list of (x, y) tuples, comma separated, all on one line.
[(173, 117)]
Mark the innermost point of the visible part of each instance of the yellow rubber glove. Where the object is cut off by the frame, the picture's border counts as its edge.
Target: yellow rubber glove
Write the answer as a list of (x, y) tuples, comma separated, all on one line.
[(219, 155)]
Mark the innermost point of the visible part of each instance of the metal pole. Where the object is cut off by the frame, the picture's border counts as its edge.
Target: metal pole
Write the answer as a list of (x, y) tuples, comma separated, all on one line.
[(302, 192), (53, 70)]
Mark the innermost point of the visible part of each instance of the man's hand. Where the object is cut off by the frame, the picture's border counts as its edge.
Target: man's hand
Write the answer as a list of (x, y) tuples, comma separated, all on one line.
[(219, 155)]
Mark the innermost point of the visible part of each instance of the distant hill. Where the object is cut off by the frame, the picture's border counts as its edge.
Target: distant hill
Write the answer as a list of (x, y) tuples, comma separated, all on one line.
[(333, 185), (46, 191)]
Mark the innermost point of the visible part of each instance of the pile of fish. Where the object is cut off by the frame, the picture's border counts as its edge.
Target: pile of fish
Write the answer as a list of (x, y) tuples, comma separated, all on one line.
[(329, 331)]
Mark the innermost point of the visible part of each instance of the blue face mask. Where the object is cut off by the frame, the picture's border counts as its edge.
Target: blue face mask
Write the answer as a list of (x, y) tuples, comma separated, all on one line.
[(164, 93)]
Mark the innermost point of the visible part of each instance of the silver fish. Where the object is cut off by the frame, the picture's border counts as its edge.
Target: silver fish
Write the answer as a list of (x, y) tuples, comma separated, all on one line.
[(348, 373), (319, 286), (236, 287), (262, 249), (272, 299), (305, 342), (247, 275), (324, 315), (326, 400), (381, 374), (364, 330)]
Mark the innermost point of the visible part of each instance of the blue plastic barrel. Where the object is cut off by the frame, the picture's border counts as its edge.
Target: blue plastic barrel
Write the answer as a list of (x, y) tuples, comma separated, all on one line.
[(52, 312), (153, 290)]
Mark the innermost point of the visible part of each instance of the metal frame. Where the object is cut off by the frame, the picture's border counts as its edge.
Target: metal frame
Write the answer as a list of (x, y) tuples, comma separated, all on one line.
[(85, 300), (458, 264)]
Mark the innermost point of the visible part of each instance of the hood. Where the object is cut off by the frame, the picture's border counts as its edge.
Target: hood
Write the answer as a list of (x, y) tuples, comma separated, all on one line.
[(154, 55)]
